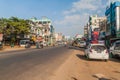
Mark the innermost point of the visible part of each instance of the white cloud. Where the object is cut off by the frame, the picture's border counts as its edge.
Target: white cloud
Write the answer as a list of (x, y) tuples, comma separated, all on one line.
[(82, 5), (72, 24), (69, 19), (99, 11), (76, 17)]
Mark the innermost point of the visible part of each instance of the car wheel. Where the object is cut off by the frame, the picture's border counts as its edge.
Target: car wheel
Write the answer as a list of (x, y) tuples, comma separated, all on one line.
[(116, 56), (111, 55)]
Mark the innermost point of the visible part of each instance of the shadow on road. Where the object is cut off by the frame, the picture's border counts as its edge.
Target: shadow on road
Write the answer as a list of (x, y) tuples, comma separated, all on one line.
[(117, 72), (73, 78), (115, 59), (11, 51), (103, 79), (83, 57)]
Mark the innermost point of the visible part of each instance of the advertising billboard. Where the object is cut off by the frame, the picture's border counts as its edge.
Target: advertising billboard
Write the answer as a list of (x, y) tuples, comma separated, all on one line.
[(95, 36)]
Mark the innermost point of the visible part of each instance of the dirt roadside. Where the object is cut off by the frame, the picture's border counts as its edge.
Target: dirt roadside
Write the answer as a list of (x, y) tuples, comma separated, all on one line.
[(8, 48), (77, 67)]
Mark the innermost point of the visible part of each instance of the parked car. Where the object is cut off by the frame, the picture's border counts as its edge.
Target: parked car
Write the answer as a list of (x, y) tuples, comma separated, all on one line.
[(76, 43), (22, 43), (45, 44), (97, 51), (27, 45), (115, 49)]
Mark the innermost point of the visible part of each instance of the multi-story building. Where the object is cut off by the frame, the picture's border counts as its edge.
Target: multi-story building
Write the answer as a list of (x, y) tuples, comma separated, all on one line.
[(36, 28), (113, 20), (96, 24), (85, 31), (42, 27), (58, 36), (48, 30)]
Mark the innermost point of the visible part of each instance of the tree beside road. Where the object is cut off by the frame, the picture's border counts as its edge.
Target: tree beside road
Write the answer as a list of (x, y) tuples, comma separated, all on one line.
[(13, 27)]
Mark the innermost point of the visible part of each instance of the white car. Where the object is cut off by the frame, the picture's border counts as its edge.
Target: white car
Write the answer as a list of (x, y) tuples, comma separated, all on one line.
[(82, 44), (115, 49), (97, 51), (23, 43), (45, 44)]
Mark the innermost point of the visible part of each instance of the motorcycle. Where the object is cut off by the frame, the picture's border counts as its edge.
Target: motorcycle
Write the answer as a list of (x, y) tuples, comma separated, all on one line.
[(39, 45)]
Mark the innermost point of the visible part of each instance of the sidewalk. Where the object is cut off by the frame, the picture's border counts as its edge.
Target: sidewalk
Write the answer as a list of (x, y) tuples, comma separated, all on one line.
[(8, 48)]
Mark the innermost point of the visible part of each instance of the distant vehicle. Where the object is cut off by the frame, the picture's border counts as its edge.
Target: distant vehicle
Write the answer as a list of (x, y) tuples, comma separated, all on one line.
[(76, 42), (45, 44), (97, 51), (82, 44), (39, 45), (23, 43), (65, 43), (59, 42), (27, 45), (115, 49), (55, 44)]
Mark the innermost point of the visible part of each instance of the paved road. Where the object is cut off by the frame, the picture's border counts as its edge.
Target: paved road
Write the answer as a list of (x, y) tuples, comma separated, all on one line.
[(32, 64)]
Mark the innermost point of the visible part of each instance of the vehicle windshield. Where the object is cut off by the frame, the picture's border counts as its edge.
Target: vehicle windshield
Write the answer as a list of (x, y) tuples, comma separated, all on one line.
[(117, 47), (96, 47)]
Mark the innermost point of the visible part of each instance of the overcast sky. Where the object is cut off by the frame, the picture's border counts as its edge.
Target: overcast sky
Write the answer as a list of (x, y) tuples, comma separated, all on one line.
[(68, 16)]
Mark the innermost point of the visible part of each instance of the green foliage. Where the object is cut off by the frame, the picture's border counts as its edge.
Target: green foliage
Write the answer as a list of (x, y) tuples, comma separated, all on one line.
[(14, 26)]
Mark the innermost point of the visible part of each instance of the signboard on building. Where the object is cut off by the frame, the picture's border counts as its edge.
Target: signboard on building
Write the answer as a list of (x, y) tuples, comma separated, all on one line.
[(40, 38), (1, 37), (95, 36)]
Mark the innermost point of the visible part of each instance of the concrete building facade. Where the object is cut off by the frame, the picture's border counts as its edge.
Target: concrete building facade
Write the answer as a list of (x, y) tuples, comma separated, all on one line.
[(113, 19), (42, 27), (96, 24)]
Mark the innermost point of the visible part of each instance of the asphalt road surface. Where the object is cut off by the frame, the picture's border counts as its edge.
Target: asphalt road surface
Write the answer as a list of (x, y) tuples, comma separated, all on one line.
[(32, 64), (56, 63)]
